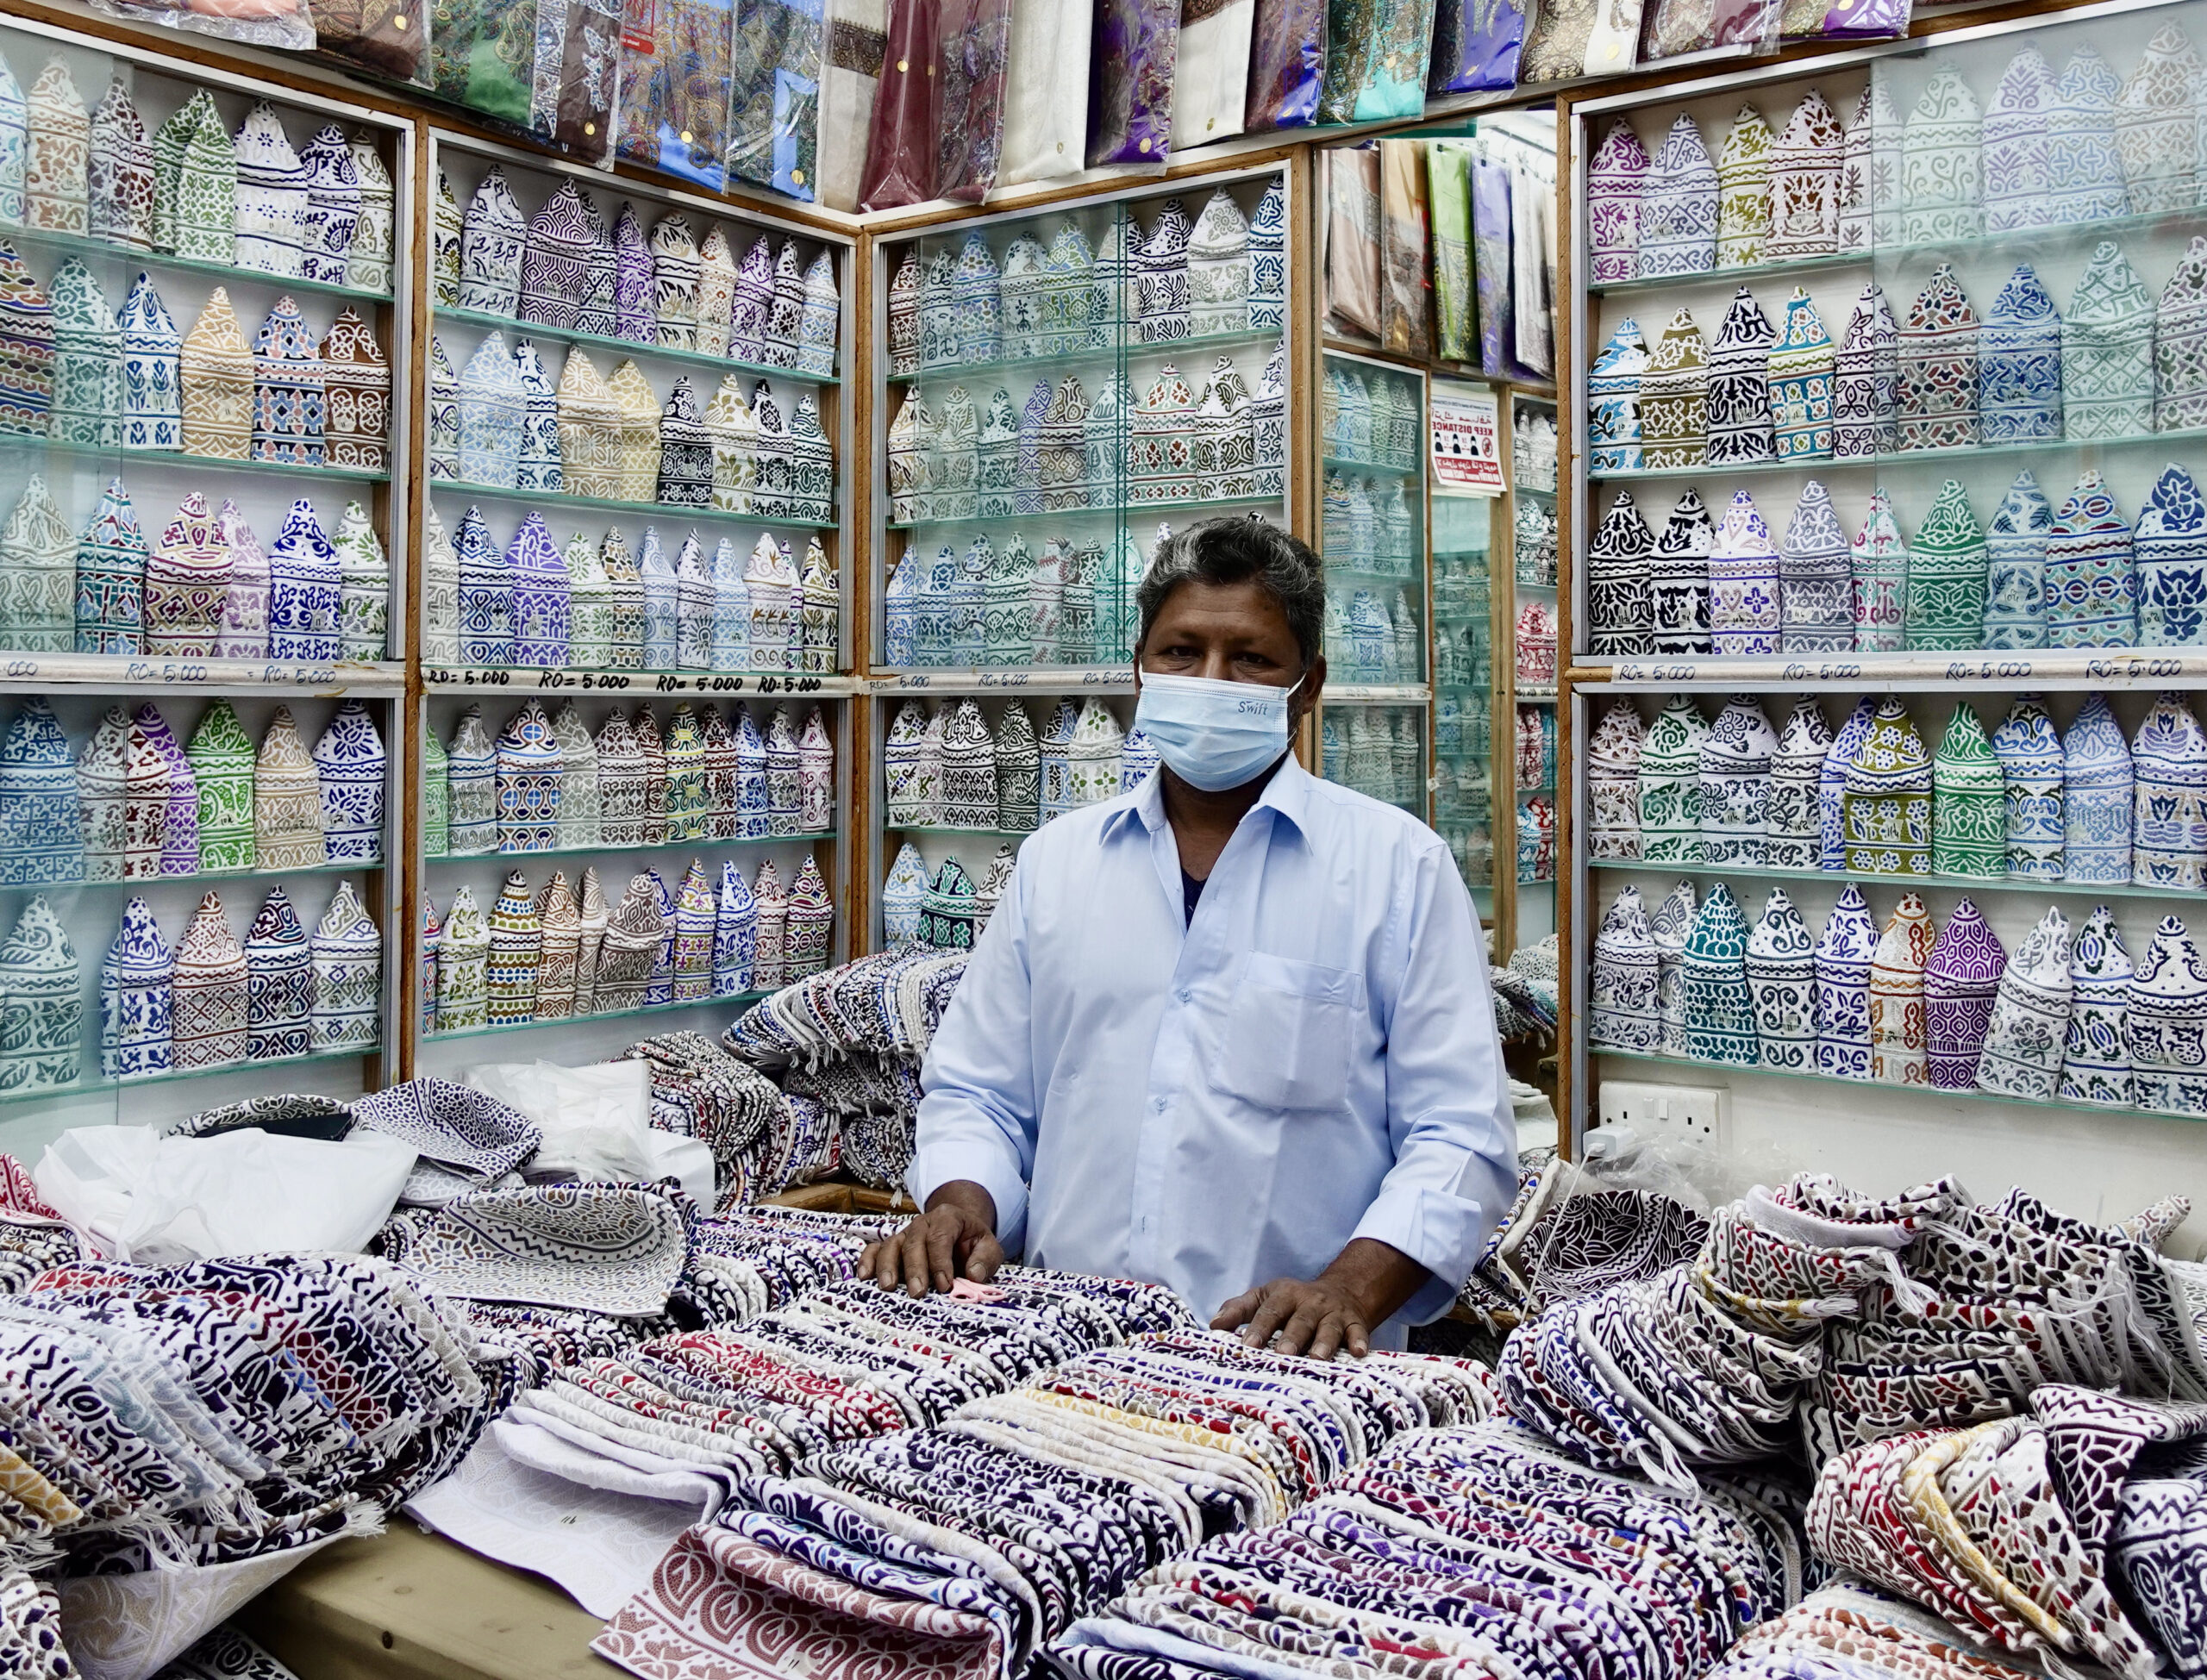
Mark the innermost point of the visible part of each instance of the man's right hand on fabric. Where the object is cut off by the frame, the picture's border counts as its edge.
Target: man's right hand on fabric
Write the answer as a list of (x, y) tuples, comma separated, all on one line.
[(955, 1238)]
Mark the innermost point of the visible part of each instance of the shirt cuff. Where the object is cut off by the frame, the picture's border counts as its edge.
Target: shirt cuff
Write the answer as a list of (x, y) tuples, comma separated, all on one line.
[(943, 1162), (1443, 1234)]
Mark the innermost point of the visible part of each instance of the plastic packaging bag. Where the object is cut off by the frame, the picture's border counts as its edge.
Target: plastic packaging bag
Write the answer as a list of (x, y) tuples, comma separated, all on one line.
[(900, 149), (674, 100), (582, 120), (773, 137), (1046, 92), (597, 1124), (1475, 46), (1449, 169), (1376, 56), (1568, 39), (485, 58), (1130, 76), (1210, 78), (969, 133), (1405, 311), (166, 1201), (1670, 27), (384, 37), (1491, 262), (1287, 65), (281, 23), (850, 80), (1353, 238)]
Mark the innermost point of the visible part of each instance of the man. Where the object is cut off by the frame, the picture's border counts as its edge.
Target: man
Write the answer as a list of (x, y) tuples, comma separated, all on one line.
[(1230, 1031)]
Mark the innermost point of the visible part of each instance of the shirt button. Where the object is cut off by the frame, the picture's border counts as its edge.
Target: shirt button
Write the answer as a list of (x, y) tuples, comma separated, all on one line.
[(1157, 1105), (1184, 996)]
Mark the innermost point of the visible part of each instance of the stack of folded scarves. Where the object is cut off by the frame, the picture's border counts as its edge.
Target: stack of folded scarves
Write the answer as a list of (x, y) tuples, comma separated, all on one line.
[(962, 1548), (191, 1415), (1843, 1631), (1477, 1550), (32, 1236)]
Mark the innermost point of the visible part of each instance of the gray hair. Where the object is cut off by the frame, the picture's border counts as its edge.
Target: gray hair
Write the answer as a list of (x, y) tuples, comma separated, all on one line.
[(1239, 550)]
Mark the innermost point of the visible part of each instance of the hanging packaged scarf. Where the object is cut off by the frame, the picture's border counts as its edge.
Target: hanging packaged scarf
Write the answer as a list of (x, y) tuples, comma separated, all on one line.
[(1670, 927), (1842, 958), (38, 574), (1569, 39), (1961, 980), (2167, 1004), (1616, 181), (2091, 587), (1669, 784), (2168, 757), (900, 154), (1947, 571), (2107, 350), (1491, 277), (1619, 604), (2015, 600), (1613, 431), (1801, 373), (1679, 211), (1969, 820), (1864, 381), (1887, 809), (2085, 181), (1792, 819), (1898, 1039), (1613, 784), (1804, 182), (1678, 579), (87, 406), (1735, 759), (2096, 797), (2154, 123), (2024, 1040), (1937, 383), (2017, 148), (1376, 61), (673, 104), (1739, 417), (1404, 307), (1940, 183), (1720, 1015), (975, 42), (1674, 397), (773, 119), (1816, 578), (1782, 979), (1742, 189), (1745, 616), (1475, 46), (289, 395), (2020, 363), (2032, 770)]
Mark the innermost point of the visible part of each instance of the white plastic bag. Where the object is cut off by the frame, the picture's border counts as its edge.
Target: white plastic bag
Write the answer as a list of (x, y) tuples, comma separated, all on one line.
[(597, 1123), (166, 1200)]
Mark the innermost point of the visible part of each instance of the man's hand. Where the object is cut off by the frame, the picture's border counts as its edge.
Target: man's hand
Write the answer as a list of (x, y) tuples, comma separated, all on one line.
[(1366, 1285), (955, 1238)]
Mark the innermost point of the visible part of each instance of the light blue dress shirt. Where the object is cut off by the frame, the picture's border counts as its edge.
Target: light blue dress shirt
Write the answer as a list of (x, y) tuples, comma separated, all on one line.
[(1215, 1103)]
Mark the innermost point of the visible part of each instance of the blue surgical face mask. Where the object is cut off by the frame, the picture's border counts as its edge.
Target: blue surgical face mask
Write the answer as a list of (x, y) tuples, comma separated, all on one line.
[(1214, 734)]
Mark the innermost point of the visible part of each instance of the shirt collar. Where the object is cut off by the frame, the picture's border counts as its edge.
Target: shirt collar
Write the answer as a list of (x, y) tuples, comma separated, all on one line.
[(1287, 794)]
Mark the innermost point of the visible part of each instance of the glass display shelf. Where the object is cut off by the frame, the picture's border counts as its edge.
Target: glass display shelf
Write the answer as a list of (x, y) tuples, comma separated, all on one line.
[(82, 245), (140, 883), (562, 679), (84, 1087), (1731, 275), (742, 999), (1344, 569), (529, 330), (2053, 1105), (1108, 356), (894, 827), (115, 459), (982, 679), (2036, 449), (1965, 884), (647, 846), (1126, 511), (25, 672), (1353, 464), (559, 498)]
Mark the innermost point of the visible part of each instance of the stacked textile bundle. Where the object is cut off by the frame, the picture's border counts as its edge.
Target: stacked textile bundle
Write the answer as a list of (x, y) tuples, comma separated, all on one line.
[(2025, 801), (1844, 1631), (1369, 639), (969, 1544), (1475, 1550), (1378, 750), (571, 269), (1071, 604), (1560, 1241), (946, 769), (2074, 573), (698, 1091), (1525, 991), (546, 783), (203, 587), (32, 1236), (845, 1047), (843, 1362), (1370, 418), (597, 607)]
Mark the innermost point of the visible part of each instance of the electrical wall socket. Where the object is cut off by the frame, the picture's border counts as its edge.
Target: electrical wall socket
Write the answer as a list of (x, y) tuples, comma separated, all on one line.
[(1697, 1111)]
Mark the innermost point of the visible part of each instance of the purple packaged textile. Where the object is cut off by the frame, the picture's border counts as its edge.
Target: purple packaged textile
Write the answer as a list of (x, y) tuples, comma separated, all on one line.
[(1130, 88), (1475, 46), (1287, 63), (976, 38), (1848, 19), (1490, 263)]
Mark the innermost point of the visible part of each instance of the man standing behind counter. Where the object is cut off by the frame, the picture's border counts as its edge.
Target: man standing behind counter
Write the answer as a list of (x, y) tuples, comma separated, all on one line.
[(1230, 1031)]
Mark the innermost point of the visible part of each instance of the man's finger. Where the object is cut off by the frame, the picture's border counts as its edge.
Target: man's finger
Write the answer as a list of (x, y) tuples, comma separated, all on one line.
[(1358, 1338), (866, 1259), (915, 1261), (941, 1244), (1279, 1305), (988, 1254), (1310, 1311), (1332, 1329), (1236, 1312), (888, 1260)]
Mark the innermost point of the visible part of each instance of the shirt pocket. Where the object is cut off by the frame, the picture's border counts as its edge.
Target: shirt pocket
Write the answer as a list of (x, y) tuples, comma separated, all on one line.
[(1284, 1042)]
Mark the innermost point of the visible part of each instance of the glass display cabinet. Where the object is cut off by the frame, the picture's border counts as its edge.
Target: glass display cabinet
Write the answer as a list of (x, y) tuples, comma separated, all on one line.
[(199, 578), (1059, 392), (635, 615)]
